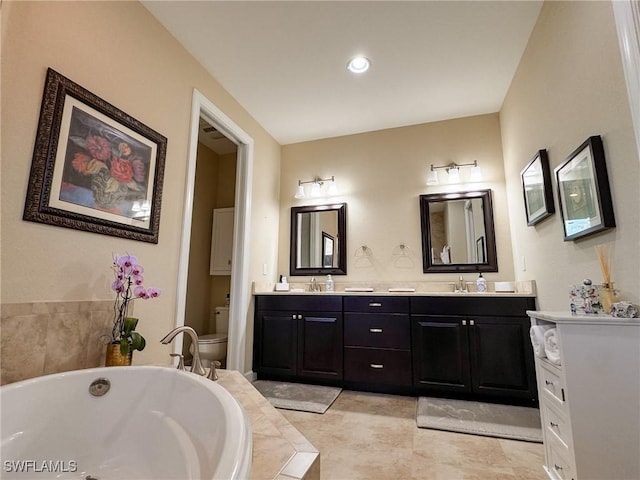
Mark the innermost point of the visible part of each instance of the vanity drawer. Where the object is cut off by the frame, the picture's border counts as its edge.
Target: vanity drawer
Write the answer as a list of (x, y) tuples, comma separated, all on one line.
[(551, 382), (375, 365), (376, 304), (559, 464), (377, 330), (555, 424)]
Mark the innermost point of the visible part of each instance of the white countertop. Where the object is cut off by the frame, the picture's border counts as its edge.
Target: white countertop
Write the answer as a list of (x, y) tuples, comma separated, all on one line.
[(567, 317), (402, 289)]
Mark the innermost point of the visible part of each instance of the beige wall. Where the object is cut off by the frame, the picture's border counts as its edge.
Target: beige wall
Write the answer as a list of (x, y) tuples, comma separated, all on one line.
[(380, 175), (570, 85), (118, 51)]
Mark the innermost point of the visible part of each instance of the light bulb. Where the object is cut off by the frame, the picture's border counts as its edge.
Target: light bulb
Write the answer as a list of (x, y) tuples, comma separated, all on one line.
[(315, 189), (333, 188), (358, 64), (432, 178), (454, 175), (300, 192), (475, 175)]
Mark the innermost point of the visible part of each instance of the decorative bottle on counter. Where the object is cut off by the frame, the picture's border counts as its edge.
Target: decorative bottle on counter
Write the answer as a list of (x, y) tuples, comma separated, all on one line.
[(481, 284), (329, 284)]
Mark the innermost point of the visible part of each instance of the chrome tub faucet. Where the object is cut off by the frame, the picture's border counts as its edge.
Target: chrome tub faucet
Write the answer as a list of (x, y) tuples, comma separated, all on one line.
[(196, 366)]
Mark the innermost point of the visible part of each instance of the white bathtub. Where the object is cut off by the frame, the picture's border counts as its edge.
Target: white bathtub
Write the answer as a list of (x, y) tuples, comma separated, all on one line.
[(153, 423)]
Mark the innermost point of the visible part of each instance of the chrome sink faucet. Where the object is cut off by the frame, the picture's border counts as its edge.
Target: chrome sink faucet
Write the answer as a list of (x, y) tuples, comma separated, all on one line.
[(196, 366), (461, 286)]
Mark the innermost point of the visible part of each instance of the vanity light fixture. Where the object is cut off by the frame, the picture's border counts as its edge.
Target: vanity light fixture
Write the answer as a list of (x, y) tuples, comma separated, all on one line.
[(358, 64), (453, 170), (316, 185)]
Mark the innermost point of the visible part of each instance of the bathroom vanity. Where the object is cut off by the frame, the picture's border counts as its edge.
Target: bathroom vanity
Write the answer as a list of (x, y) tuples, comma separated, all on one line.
[(458, 345)]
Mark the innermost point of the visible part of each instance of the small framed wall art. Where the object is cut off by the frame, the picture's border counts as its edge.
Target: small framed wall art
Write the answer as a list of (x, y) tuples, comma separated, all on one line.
[(94, 167), (583, 191), (536, 187)]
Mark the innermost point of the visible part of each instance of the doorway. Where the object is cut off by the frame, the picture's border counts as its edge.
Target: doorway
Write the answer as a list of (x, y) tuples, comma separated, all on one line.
[(203, 109)]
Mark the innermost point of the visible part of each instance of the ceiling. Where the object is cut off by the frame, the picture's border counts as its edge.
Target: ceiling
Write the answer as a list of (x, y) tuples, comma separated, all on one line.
[(285, 61)]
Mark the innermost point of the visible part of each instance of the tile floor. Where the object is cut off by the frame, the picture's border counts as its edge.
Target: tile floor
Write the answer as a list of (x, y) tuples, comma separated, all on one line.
[(373, 436)]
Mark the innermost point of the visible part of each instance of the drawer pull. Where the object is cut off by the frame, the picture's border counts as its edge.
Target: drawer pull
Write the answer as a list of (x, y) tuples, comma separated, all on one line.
[(376, 365), (375, 330), (557, 467), (553, 425), (547, 382), (375, 304)]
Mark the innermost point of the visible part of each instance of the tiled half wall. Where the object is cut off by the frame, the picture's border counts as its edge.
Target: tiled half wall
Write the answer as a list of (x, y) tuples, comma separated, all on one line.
[(51, 337)]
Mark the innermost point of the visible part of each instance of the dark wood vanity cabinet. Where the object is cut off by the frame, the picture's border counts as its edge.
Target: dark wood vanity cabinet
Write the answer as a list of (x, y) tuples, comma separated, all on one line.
[(481, 350), (298, 337), (377, 340), (463, 346)]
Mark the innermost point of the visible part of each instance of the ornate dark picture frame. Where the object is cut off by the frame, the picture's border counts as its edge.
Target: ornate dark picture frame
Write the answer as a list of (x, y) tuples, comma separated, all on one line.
[(536, 189), (584, 195), (94, 167)]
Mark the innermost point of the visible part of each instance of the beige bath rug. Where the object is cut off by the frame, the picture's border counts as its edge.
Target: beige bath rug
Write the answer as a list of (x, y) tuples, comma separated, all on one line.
[(298, 396), (489, 419)]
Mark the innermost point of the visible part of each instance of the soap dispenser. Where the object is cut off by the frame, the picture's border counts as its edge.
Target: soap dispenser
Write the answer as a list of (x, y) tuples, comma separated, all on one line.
[(329, 284), (481, 284)]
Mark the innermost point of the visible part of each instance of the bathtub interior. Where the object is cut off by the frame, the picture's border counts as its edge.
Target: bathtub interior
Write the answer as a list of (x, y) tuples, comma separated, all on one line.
[(152, 423)]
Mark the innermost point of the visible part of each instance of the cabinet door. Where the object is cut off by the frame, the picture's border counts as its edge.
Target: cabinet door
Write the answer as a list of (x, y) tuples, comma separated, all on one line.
[(276, 346), (221, 241), (499, 364), (320, 346), (440, 354)]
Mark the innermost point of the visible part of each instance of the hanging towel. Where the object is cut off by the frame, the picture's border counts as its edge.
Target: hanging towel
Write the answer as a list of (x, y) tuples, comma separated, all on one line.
[(537, 339), (551, 346)]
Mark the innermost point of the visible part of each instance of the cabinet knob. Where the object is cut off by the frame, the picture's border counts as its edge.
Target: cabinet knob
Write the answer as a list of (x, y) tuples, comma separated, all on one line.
[(375, 304), (547, 382), (464, 323), (376, 365), (553, 425), (375, 330), (472, 322), (557, 467)]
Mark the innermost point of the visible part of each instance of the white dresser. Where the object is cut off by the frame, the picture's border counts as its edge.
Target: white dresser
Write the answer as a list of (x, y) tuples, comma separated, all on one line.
[(590, 404)]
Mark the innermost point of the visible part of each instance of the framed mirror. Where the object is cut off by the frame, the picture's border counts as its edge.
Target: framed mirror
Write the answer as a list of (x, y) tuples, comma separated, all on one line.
[(457, 232), (318, 240)]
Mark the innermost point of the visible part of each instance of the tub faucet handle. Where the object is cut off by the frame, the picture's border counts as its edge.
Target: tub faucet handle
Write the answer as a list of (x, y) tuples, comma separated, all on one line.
[(213, 375), (180, 360)]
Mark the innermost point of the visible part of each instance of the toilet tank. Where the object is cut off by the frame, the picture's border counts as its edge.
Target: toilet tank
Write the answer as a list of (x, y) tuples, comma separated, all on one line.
[(222, 319)]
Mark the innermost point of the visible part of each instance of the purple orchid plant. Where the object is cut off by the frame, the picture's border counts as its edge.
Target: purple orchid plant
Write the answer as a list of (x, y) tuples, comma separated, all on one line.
[(128, 286)]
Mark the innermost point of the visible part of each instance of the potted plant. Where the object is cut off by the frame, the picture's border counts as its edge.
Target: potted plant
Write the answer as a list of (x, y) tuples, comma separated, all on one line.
[(128, 285)]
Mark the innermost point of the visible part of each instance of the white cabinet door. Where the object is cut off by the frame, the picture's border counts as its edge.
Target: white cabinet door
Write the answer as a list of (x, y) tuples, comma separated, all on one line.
[(221, 241)]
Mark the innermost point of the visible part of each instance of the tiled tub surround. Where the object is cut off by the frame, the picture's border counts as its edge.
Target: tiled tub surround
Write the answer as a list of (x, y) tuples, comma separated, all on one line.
[(52, 337), (280, 451)]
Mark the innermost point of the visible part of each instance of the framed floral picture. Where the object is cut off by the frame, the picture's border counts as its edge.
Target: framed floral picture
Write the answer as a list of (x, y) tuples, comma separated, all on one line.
[(583, 191), (94, 167), (536, 187)]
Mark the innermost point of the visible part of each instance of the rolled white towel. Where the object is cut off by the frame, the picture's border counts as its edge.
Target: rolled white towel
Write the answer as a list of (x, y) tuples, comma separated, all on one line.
[(536, 332), (551, 347)]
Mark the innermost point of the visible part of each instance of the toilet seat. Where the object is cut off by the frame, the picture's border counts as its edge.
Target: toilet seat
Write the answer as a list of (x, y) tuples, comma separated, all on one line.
[(212, 338)]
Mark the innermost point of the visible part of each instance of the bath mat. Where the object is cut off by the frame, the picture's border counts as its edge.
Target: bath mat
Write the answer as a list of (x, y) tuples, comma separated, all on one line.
[(489, 419), (298, 396)]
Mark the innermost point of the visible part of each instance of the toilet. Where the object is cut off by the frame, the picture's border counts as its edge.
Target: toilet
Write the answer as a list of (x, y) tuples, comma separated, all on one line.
[(213, 346)]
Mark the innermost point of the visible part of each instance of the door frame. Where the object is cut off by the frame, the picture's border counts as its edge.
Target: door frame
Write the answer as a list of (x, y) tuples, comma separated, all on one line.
[(201, 107)]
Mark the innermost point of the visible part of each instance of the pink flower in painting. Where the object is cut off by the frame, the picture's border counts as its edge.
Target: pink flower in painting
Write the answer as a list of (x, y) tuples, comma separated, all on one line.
[(138, 170), (121, 170), (99, 147), (80, 162)]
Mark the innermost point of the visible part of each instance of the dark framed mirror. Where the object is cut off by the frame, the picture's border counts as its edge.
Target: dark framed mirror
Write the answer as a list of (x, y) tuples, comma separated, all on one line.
[(457, 232), (318, 240)]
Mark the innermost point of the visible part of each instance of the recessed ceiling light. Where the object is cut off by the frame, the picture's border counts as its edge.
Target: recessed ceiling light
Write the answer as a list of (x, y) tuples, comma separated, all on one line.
[(358, 64)]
